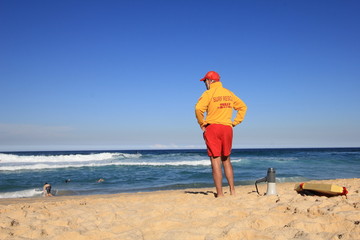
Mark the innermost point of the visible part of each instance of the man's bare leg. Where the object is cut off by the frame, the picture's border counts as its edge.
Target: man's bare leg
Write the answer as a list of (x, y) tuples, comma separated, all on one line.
[(217, 175), (228, 169)]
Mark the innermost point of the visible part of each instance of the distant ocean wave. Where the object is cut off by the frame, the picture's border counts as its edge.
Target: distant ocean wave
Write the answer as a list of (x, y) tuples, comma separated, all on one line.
[(92, 164), (12, 162), (12, 158)]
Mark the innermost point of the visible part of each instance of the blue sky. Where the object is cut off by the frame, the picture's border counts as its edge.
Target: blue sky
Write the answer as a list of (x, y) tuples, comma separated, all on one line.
[(86, 74)]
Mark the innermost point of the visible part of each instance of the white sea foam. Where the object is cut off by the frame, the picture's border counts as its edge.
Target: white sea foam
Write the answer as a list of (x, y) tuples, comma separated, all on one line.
[(292, 179), (12, 162), (172, 163), (94, 164), (39, 166), (22, 194), (12, 158), (177, 163)]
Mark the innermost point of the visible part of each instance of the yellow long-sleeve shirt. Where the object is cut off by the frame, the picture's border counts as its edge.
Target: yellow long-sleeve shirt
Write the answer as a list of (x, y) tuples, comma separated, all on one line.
[(219, 103)]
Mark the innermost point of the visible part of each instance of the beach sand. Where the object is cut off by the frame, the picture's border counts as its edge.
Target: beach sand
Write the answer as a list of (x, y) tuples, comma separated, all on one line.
[(186, 214)]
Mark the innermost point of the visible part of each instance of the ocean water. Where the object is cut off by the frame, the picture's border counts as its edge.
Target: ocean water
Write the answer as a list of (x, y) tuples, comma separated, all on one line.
[(22, 174)]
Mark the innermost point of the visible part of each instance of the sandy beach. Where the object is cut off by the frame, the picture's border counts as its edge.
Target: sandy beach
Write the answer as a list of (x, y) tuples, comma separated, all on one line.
[(187, 214)]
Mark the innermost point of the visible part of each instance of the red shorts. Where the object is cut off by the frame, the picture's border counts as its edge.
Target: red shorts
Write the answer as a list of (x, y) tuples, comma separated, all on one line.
[(218, 139)]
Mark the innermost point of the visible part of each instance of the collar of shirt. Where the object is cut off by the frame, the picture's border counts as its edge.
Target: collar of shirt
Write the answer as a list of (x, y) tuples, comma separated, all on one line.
[(215, 85)]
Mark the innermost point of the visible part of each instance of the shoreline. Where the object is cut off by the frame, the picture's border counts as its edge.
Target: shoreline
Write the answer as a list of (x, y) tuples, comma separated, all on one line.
[(240, 183), (187, 214)]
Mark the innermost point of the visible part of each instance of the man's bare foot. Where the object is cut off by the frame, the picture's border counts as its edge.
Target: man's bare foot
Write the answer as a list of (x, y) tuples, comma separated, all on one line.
[(219, 195), (232, 192)]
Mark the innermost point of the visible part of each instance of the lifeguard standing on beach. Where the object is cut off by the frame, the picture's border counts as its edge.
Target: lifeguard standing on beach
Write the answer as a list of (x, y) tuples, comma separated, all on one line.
[(218, 103)]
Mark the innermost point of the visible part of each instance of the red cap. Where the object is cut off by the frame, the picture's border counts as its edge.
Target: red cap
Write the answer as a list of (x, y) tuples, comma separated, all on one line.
[(212, 76)]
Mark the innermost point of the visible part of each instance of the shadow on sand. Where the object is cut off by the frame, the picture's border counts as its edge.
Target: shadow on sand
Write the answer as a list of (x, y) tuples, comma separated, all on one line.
[(201, 192)]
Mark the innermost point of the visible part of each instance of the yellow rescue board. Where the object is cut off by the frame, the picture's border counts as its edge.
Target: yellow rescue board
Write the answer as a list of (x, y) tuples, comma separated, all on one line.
[(327, 189)]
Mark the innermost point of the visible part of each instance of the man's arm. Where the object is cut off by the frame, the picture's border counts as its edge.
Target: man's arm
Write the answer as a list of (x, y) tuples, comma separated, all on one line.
[(200, 109), (241, 109)]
